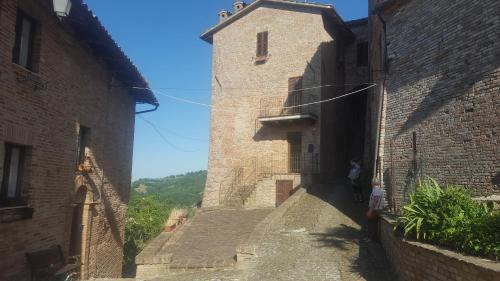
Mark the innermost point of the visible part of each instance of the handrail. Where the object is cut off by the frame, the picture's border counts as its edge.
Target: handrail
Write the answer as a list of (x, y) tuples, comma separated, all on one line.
[(286, 106), (242, 180)]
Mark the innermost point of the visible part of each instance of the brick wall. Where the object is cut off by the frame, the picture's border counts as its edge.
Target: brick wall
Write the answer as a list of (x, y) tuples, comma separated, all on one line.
[(442, 90), (296, 36), (416, 261), (78, 92)]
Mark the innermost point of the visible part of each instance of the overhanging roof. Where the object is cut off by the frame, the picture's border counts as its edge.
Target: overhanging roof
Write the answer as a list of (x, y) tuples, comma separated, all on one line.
[(89, 30), (326, 8)]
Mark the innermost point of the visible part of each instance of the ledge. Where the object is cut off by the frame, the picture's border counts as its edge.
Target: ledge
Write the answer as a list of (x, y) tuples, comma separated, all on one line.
[(289, 118), (410, 259), (15, 213)]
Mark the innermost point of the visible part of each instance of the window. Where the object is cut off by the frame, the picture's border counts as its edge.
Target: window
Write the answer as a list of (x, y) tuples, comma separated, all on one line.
[(23, 48), (12, 175), (83, 145), (262, 46), (363, 54)]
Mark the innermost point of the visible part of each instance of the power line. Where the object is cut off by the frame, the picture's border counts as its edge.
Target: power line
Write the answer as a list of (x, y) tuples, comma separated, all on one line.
[(174, 133), (284, 107), (164, 138)]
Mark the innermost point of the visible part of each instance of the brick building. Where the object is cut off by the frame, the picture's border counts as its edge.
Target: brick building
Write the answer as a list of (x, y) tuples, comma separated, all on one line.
[(66, 137), (271, 58), (437, 66)]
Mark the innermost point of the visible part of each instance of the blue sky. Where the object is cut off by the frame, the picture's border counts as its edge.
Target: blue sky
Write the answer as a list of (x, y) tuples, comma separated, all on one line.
[(162, 39)]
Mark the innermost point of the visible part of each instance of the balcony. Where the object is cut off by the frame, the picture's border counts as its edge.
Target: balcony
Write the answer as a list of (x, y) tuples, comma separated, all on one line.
[(288, 163), (292, 109)]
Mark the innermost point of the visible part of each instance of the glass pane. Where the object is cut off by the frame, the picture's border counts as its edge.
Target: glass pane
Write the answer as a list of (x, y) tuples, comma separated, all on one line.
[(25, 43), (13, 172)]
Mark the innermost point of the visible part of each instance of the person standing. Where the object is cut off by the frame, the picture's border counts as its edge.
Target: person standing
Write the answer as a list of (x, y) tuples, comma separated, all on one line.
[(354, 174), (375, 207)]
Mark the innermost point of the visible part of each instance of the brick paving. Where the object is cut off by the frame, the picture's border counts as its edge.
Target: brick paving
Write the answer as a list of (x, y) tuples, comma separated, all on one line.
[(211, 238), (314, 239)]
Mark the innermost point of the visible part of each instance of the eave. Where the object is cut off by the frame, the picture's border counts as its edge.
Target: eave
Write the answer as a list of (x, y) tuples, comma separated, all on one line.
[(329, 10)]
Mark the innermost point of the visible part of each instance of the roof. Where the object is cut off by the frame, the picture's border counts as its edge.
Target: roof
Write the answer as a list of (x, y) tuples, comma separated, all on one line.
[(88, 29), (388, 6), (356, 22), (326, 8)]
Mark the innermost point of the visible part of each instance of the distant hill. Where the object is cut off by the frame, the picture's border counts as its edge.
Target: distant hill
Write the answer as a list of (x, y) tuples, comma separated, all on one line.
[(180, 190)]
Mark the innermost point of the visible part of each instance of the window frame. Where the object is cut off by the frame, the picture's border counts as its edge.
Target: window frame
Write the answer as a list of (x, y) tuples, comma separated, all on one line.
[(262, 51), (83, 142), (16, 51), (5, 200)]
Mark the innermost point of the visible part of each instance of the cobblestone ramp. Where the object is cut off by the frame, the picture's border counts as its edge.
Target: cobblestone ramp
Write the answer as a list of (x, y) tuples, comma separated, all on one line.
[(315, 239), (210, 239)]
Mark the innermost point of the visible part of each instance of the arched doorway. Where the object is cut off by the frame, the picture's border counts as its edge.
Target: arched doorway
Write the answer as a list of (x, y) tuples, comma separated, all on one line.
[(80, 222)]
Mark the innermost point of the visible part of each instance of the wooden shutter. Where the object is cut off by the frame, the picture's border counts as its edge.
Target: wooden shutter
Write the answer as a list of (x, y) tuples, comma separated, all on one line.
[(262, 44)]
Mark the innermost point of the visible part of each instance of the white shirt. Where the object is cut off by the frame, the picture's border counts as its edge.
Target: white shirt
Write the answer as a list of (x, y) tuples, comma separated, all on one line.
[(376, 199)]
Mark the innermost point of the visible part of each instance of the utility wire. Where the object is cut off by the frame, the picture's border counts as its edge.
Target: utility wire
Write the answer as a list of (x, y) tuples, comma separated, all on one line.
[(164, 138), (284, 107), (174, 133)]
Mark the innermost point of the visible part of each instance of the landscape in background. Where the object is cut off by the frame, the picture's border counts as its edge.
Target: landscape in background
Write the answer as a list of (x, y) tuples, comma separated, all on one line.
[(151, 201)]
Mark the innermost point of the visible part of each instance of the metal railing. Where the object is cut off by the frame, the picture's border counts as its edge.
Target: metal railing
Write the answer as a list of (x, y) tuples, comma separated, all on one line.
[(240, 183), (290, 105)]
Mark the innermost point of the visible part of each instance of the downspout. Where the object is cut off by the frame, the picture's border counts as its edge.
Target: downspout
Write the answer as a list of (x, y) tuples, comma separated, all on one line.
[(377, 169), (149, 110)]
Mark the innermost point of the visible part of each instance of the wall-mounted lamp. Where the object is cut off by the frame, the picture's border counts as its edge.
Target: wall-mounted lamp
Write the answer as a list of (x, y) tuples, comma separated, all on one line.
[(62, 7)]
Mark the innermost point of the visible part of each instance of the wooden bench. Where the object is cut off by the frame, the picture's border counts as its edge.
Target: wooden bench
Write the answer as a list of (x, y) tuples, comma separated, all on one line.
[(49, 265)]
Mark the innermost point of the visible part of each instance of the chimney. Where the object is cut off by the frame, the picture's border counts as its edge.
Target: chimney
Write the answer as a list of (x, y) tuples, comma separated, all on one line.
[(238, 6), (224, 15)]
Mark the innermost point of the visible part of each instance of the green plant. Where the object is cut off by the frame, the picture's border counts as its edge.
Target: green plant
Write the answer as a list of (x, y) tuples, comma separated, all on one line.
[(451, 218), (146, 218)]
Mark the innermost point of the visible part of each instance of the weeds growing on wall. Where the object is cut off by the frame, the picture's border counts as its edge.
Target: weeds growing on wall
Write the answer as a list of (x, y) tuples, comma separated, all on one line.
[(450, 217)]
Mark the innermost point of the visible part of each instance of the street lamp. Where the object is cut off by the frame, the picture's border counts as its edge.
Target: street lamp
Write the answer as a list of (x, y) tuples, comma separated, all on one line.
[(62, 7)]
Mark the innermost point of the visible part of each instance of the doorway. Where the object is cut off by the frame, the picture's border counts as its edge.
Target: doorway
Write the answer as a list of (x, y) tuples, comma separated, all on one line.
[(294, 152), (75, 246), (284, 189)]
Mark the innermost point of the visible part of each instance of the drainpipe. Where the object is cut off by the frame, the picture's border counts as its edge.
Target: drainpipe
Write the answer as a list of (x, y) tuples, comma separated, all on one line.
[(381, 107)]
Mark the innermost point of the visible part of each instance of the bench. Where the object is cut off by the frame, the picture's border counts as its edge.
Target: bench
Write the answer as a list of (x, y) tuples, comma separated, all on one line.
[(49, 265)]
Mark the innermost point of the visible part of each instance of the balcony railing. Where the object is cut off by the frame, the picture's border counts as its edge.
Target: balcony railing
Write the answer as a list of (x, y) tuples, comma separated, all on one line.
[(289, 106), (288, 163)]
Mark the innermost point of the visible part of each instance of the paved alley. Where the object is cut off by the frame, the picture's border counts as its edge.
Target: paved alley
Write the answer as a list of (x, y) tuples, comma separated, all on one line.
[(314, 239)]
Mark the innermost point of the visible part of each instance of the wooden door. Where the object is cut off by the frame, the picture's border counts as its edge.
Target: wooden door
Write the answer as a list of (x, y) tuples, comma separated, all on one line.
[(75, 247), (284, 189)]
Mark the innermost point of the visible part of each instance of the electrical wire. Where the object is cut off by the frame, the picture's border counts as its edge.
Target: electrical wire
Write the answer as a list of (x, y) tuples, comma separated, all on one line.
[(284, 107), (175, 133), (165, 139)]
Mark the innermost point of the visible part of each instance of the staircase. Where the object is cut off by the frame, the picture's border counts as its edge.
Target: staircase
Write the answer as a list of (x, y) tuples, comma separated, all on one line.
[(238, 186), (241, 182)]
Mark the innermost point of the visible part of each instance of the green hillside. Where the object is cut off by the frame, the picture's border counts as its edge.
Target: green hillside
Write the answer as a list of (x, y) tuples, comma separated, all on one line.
[(180, 190)]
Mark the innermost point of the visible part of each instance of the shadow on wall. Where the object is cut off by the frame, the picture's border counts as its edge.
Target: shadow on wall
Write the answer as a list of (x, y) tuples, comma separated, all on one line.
[(442, 93), (459, 67)]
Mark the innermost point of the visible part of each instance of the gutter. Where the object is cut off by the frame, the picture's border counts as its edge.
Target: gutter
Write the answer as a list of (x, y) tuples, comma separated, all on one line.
[(149, 110)]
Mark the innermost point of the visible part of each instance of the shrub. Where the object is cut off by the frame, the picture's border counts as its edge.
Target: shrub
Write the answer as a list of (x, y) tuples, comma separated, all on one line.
[(146, 218), (451, 218)]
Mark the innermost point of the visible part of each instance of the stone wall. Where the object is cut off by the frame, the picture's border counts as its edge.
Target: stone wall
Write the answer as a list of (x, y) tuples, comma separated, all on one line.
[(239, 86), (442, 94), (78, 92), (416, 261)]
